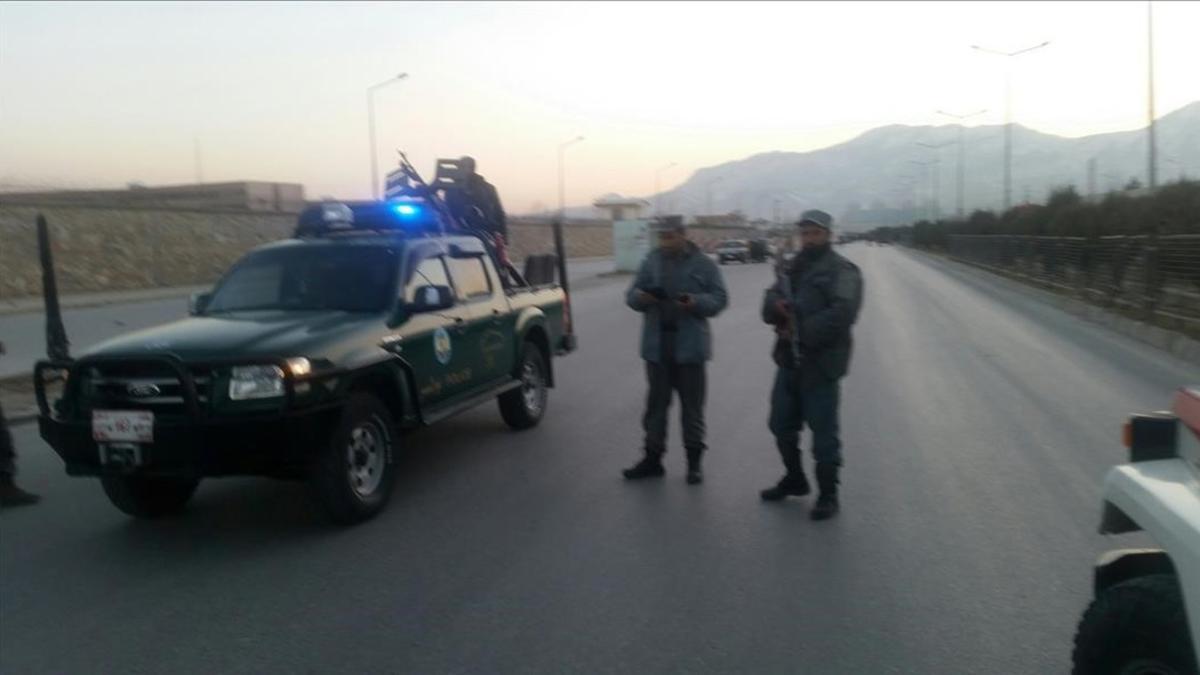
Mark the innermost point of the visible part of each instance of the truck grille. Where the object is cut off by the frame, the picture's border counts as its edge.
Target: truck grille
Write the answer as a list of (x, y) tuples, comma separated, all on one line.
[(135, 386)]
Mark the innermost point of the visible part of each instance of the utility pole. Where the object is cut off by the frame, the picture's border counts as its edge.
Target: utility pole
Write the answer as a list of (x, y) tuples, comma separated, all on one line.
[(1008, 113), (1091, 177), (1152, 173), (960, 206)]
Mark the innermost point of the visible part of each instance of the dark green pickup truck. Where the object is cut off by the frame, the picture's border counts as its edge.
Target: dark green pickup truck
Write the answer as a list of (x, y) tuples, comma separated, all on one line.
[(308, 360)]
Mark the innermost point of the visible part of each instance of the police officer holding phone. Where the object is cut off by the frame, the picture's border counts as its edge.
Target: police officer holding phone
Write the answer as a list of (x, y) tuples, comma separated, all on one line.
[(677, 289)]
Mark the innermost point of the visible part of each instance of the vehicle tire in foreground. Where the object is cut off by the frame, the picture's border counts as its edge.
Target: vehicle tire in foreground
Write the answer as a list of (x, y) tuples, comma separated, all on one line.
[(524, 406), (149, 497), (1136, 626), (353, 473)]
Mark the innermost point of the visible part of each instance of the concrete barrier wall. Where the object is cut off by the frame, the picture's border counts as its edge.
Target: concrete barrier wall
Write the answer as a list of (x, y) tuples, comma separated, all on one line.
[(113, 249)]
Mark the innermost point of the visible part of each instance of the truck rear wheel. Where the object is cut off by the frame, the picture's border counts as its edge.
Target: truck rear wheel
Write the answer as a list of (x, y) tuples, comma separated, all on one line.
[(523, 407), (149, 497), (352, 475), (1136, 626)]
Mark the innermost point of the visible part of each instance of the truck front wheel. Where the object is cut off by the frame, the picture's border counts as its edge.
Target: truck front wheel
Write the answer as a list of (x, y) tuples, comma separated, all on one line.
[(524, 406), (353, 473), (149, 497), (1136, 626)]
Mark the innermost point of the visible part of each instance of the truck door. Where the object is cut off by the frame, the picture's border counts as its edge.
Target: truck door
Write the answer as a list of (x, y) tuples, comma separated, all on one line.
[(430, 338), (486, 337)]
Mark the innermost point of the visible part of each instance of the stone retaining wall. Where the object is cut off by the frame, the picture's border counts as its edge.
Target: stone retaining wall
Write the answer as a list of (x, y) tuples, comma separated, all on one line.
[(114, 249)]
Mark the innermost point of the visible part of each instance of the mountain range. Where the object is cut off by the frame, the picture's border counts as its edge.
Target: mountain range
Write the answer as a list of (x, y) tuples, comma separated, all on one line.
[(873, 179)]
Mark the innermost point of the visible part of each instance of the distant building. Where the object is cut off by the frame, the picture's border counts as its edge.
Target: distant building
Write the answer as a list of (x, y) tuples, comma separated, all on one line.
[(239, 196), (620, 208)]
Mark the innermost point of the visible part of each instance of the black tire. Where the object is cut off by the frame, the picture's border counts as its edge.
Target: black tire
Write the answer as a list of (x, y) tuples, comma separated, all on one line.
[(524, 407), (149, 497), (352, 474), (1136, 626)]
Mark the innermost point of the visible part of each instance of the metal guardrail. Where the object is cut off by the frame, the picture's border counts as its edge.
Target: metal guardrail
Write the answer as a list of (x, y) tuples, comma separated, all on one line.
[(1148, 277)]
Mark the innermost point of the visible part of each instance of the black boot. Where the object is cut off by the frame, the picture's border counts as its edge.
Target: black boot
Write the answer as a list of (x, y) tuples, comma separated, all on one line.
[(695, 475), (11, 495), (827, 482), (649, 467), (794, 483)]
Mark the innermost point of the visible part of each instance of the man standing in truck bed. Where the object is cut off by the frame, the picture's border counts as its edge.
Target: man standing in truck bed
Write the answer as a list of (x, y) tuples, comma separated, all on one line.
[(477, 203), (678, 289)]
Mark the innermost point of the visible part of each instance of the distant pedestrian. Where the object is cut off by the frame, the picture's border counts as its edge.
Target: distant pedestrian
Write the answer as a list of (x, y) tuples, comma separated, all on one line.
[(10, 494), (678, 289), (812, 306)]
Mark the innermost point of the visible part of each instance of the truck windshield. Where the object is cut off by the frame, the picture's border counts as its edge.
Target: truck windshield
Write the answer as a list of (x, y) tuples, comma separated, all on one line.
[(349, 279)]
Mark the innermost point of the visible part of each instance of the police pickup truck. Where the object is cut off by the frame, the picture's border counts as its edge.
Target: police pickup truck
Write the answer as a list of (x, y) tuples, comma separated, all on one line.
[(309, 360)]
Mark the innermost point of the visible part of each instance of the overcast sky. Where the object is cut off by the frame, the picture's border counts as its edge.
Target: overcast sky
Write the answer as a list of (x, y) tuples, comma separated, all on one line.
[(98, 94)]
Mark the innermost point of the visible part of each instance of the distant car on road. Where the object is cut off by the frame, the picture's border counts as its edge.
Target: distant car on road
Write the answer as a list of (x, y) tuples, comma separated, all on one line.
[(733, 249), (760, 250), (1145, 617)]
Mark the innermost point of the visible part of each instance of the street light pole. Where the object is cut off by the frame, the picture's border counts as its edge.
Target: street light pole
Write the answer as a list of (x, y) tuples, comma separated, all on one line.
[(562, 197), (708, 195), (1008, 113), (929, 178), (371, 130), (657, 176), (960, 207), (936, 182), (1153, 170)]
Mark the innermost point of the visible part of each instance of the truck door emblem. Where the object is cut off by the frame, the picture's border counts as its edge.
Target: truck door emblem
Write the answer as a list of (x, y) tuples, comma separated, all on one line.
[(442, 348)]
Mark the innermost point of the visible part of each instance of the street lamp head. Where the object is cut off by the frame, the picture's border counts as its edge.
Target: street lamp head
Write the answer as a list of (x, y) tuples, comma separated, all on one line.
[(402, 76)]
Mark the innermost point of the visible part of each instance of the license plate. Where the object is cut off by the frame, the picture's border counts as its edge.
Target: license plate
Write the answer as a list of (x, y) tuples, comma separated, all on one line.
[(123, 426)]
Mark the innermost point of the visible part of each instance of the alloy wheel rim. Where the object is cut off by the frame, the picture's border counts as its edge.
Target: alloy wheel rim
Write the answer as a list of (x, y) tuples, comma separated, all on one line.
[(366, 457), (532, 388)]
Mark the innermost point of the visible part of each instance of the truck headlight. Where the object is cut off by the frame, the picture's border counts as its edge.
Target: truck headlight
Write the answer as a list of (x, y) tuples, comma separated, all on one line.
[(299, 366), (254, 382)]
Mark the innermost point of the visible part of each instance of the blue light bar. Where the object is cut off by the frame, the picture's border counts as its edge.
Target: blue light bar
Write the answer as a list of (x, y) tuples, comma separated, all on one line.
[(406, 210)]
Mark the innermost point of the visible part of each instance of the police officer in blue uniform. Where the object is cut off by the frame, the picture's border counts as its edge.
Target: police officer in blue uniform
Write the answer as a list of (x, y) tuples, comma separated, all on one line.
[(677, 290), (812, 306)]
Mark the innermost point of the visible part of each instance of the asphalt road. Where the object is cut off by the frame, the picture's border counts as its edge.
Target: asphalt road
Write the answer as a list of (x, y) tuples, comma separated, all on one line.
[(24, 334), (978, 426)]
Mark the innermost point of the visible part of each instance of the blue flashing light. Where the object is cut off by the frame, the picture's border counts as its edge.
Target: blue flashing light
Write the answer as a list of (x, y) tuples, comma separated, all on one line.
[(406, 210)]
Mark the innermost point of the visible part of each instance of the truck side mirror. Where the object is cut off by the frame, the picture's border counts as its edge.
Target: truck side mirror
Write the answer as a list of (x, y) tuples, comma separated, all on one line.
[(198, 302), (431, 299)]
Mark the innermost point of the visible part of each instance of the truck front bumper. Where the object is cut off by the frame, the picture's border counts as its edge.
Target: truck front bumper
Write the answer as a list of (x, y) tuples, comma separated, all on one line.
[(194, 442), (277, 446)]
